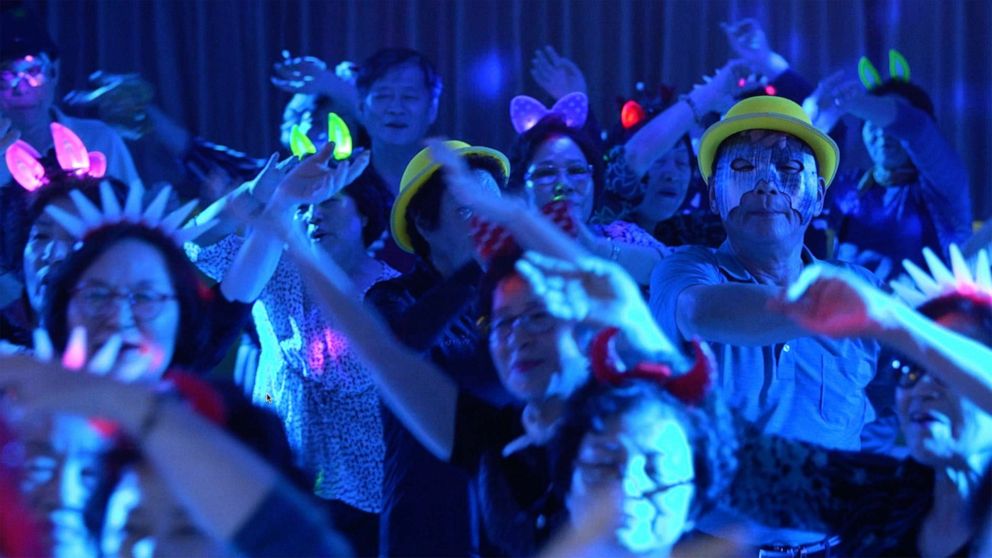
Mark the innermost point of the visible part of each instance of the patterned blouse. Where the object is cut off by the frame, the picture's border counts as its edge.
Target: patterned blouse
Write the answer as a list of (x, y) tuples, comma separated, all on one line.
[(308, 374), (876, 503)]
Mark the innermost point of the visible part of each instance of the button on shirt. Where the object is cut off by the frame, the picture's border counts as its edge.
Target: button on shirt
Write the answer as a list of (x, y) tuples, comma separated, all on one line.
[(809, 388)]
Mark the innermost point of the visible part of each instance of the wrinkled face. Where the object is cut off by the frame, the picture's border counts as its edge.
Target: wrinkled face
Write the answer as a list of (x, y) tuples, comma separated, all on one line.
[(144, 520), (335, 225), (534, 353), (453, 234), (127, 291), (48, 243), (666, 184), (559, 170), (765, 185), (641, 462), (885, 150), (940, 426), (399, 107), (63, 467), (28, 84)]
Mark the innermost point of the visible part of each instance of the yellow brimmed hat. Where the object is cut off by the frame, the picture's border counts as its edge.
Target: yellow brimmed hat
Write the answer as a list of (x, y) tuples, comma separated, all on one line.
[(769, 113), (418, 171)]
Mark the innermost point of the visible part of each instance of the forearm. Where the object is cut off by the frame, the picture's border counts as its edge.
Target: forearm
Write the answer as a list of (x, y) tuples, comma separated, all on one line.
[(734, 314), (638, 261), (658, 136), (961, 362), (223, 485), (413, 388), (255, 262), (535, 232)]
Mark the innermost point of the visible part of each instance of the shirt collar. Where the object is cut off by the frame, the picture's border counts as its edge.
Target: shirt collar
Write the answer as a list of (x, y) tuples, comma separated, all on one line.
[(732, 267)]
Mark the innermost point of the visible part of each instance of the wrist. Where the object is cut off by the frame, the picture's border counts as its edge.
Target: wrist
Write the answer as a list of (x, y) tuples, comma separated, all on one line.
[(774, 65)]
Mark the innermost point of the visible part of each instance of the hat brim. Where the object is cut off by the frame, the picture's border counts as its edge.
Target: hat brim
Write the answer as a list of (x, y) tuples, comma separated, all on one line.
[(397, 216), (824, 149)]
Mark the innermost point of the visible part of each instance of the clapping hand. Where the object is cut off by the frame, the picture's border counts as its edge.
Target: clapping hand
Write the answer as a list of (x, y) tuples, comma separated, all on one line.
[(310, 75), (557, 75), (749, 42)]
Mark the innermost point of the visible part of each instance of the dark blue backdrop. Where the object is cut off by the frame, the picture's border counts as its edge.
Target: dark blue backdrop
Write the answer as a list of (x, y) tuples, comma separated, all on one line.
[(210, 60)]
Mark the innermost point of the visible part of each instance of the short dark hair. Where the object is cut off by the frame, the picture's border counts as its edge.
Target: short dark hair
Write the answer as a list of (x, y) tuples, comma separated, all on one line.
[(424, 209), (23, 33), (191, 293), (382, 61), (372, 203), (526, 145), (910, 92), (709, 428)]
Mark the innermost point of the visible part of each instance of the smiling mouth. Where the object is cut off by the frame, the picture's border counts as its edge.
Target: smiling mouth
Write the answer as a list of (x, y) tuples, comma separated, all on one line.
[(525, 366)]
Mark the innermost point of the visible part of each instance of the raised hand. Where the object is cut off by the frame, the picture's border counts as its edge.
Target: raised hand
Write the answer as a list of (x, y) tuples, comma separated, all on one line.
[(312, 181), (557, 75), (831, 99), (311, 76), (749, 42), (719, 92), (597, 292), (833, 301), (468, 189)]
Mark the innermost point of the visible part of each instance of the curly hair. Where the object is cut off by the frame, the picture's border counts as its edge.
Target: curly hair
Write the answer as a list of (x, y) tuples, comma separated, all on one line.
[(191, 293), (709, 428)]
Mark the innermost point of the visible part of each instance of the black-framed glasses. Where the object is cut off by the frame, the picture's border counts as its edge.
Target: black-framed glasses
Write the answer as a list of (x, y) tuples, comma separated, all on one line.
[(101, 302), (535, 322), (546, 175)]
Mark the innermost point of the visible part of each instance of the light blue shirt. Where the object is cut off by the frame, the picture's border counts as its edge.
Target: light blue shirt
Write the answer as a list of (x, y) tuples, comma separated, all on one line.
[(810, 388)]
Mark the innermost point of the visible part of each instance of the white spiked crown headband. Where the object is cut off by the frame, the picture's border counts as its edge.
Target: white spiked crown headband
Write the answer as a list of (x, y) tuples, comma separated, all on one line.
[(961, 278)]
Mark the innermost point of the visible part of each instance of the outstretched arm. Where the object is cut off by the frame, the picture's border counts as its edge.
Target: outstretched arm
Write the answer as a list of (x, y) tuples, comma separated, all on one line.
[(834, 301), (219, 481)]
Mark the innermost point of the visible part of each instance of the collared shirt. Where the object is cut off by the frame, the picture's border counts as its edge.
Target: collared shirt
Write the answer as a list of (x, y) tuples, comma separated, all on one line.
[(809, 388)]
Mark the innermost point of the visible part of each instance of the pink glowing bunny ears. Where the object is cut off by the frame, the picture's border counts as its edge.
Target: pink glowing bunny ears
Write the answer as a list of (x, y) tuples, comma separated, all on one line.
[(24, 161), (526, 111)]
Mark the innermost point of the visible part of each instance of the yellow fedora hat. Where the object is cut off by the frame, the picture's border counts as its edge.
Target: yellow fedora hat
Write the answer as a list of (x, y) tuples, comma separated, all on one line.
[(769, 113), (418, 171)]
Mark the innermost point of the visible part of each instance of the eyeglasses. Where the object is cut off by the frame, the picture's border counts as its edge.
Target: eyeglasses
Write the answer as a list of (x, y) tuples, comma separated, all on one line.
[(532, 322), (546, 175), (101, 302), (31, 68), (910, 373), (598, 474)]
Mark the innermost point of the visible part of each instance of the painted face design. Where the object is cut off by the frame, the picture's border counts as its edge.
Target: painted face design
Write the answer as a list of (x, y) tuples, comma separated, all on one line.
[(774, 159)]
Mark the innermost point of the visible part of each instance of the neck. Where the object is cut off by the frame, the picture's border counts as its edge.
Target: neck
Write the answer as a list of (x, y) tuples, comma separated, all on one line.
[(446, 263), (391, 160), (771, 263), (34, 127)]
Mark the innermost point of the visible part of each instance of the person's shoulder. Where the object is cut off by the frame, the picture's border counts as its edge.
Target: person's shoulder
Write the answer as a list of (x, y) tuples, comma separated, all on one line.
[(87, 126)]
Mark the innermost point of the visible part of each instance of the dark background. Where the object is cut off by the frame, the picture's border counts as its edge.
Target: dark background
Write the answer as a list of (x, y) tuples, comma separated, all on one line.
[(210, 60)]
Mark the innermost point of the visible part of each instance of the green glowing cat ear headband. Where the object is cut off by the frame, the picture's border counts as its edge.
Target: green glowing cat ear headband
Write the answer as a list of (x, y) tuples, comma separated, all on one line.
[(337, 132), (898, 69)]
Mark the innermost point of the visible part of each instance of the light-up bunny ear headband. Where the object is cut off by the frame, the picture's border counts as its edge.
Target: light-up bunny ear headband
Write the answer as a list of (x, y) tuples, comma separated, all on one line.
[(337, 132), (898, 69), (526, 111), (24, 161)]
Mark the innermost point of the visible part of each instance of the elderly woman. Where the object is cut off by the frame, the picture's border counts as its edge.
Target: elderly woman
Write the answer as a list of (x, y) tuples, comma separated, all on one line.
[(538, 358)]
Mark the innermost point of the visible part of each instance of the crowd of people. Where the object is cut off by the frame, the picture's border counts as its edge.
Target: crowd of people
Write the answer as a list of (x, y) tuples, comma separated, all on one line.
[(692, 332)]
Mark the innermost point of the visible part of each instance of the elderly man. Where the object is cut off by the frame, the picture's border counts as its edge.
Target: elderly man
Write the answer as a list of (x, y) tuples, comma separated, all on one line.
[(767, 169)]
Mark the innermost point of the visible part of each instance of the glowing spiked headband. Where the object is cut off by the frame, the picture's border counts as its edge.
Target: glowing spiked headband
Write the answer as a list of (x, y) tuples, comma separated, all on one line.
[(90, 217), (974, 282), (24, 161)]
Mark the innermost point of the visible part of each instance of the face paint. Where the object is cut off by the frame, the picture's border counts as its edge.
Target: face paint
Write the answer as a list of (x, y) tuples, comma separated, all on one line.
[(775, 159)]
